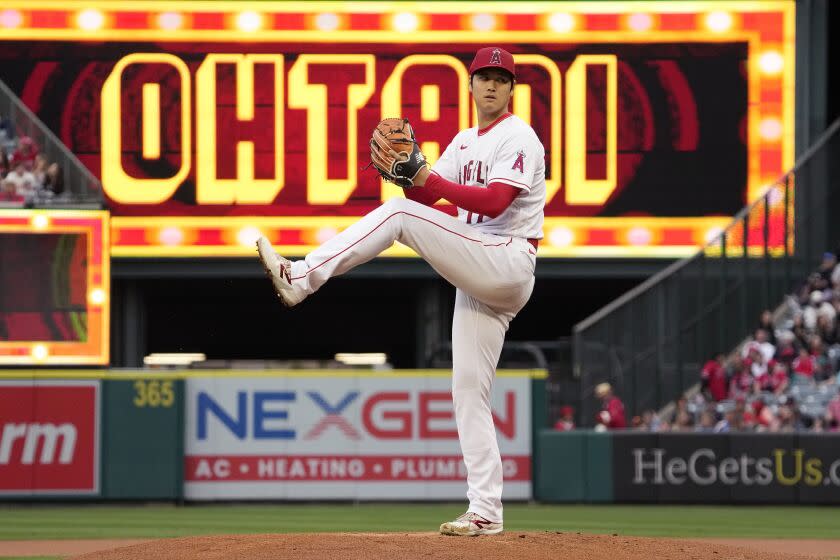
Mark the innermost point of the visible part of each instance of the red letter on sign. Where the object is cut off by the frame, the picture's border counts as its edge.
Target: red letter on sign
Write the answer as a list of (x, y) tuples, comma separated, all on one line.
[(508, 426), (425, 415), (404, 416)]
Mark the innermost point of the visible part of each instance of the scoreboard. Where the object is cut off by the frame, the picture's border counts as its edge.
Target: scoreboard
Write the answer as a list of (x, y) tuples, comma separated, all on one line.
[(212, 123)]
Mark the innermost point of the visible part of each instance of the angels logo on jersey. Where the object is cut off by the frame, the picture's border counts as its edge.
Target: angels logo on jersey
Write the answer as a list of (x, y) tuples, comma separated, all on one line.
[(520, 156)]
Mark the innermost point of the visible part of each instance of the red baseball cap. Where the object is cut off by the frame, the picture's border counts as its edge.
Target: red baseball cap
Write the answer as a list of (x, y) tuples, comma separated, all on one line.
[(493, 57)]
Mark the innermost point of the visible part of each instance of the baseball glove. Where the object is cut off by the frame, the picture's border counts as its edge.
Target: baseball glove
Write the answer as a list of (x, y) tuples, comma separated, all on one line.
[(394, 152)]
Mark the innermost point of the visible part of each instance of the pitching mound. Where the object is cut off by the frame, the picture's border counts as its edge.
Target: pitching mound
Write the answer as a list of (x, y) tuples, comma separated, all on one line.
[(410, 546)]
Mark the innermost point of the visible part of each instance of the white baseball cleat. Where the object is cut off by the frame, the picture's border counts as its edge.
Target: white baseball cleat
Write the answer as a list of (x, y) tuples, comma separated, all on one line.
[(471, 525), (279, 270)]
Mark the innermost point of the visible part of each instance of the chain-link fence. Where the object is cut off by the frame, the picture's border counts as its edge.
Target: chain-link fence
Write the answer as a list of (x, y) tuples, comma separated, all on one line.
[(651, 343), (80, 188)]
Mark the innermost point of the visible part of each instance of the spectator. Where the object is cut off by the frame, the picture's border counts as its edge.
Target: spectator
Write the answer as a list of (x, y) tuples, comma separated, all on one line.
[(800, 331), (707, 422), (713, 378), (759, 342), (54, 179), (819, 356), (25, 154), (8, 194), (23, 181), (788, 414), (741, 384), (567, 419), (680, 407), (762, 415), (779, 380), (829, 263), (5, 166), (745, 414), (766, 324), (612, 411), (40, 169), (785, 351), (728, 424), (819, 305), (650, 421), (832, 413), (827, 330), (803, 368), (756, 364), (683, 422)]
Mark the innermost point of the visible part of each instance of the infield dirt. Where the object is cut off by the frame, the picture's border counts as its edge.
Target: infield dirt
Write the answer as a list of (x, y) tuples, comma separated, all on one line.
[(405, 546)]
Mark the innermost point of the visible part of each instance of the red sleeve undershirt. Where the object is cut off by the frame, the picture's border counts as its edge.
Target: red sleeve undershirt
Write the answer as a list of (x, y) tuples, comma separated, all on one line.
[(490, 201)]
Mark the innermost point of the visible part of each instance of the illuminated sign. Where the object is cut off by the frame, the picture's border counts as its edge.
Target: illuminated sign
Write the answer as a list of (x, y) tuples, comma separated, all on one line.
[(209, 127), (55, 286)]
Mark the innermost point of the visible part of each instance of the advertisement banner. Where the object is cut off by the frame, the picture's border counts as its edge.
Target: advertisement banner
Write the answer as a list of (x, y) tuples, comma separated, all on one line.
[(333, 435), (49, 437), (738, 468)]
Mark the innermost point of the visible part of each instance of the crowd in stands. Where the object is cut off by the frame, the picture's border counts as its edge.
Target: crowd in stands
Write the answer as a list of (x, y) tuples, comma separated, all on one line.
[(27, 177), (784, 378)]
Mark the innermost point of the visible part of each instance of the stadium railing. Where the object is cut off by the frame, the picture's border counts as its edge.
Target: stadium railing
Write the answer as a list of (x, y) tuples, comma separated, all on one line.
[(81, 188), (651, 343)]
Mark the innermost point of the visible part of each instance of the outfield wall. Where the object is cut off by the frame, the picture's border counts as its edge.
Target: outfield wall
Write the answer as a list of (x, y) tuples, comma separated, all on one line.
[(255, 434), (351, 435), (586, 466)]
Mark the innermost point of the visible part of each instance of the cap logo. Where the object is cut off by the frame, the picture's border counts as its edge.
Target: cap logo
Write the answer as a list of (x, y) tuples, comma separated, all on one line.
[(496, 57)]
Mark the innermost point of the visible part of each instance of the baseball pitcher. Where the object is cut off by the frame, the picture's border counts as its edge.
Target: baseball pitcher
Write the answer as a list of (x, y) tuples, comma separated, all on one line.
[(495, 174)]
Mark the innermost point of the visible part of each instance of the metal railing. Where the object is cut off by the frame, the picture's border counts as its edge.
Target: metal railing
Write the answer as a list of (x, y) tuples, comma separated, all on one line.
[(651, 343), (81, 187)]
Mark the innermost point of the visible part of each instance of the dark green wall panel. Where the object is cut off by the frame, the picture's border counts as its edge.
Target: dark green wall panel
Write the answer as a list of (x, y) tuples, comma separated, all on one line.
[(142, 439)]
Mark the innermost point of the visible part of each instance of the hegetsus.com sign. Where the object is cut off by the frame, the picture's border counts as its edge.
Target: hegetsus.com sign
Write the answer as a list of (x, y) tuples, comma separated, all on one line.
[(781, 468)]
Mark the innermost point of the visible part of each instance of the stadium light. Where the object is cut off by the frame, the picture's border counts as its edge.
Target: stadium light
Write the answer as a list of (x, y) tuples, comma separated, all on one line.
[(640, 22), (170, 21), (171, 236), (90, 20), (771, 63), (40, 221), (405, 22), (327, 21), (718, 21), (483, 22), (173, 358), (40, 352), (639, 236), (96, 296), (561, 22), (248, 21), (561, 237), (713, 234), (770, 128), (11, 19), (362, 359), (248, 235)]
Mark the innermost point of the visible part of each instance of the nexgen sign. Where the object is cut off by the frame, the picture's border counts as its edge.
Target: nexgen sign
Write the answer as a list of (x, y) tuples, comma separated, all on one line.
[(49, 437), (341, 435)]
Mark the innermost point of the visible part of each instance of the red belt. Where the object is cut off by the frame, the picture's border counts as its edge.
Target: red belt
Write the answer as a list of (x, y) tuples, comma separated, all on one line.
[(534, 241)]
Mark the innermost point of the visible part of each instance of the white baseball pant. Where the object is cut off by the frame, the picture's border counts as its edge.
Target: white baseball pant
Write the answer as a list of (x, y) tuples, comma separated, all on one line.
[(494, 277)]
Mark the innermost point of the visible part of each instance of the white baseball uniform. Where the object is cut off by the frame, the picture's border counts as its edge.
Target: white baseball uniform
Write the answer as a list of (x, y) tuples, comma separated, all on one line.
[(489, 261)]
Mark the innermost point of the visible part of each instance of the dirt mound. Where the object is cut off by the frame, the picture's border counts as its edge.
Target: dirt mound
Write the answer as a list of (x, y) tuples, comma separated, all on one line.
[(410, 546)]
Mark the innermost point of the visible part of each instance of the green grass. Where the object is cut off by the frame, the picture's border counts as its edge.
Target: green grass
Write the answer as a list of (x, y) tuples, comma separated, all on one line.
[(91, 522)]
